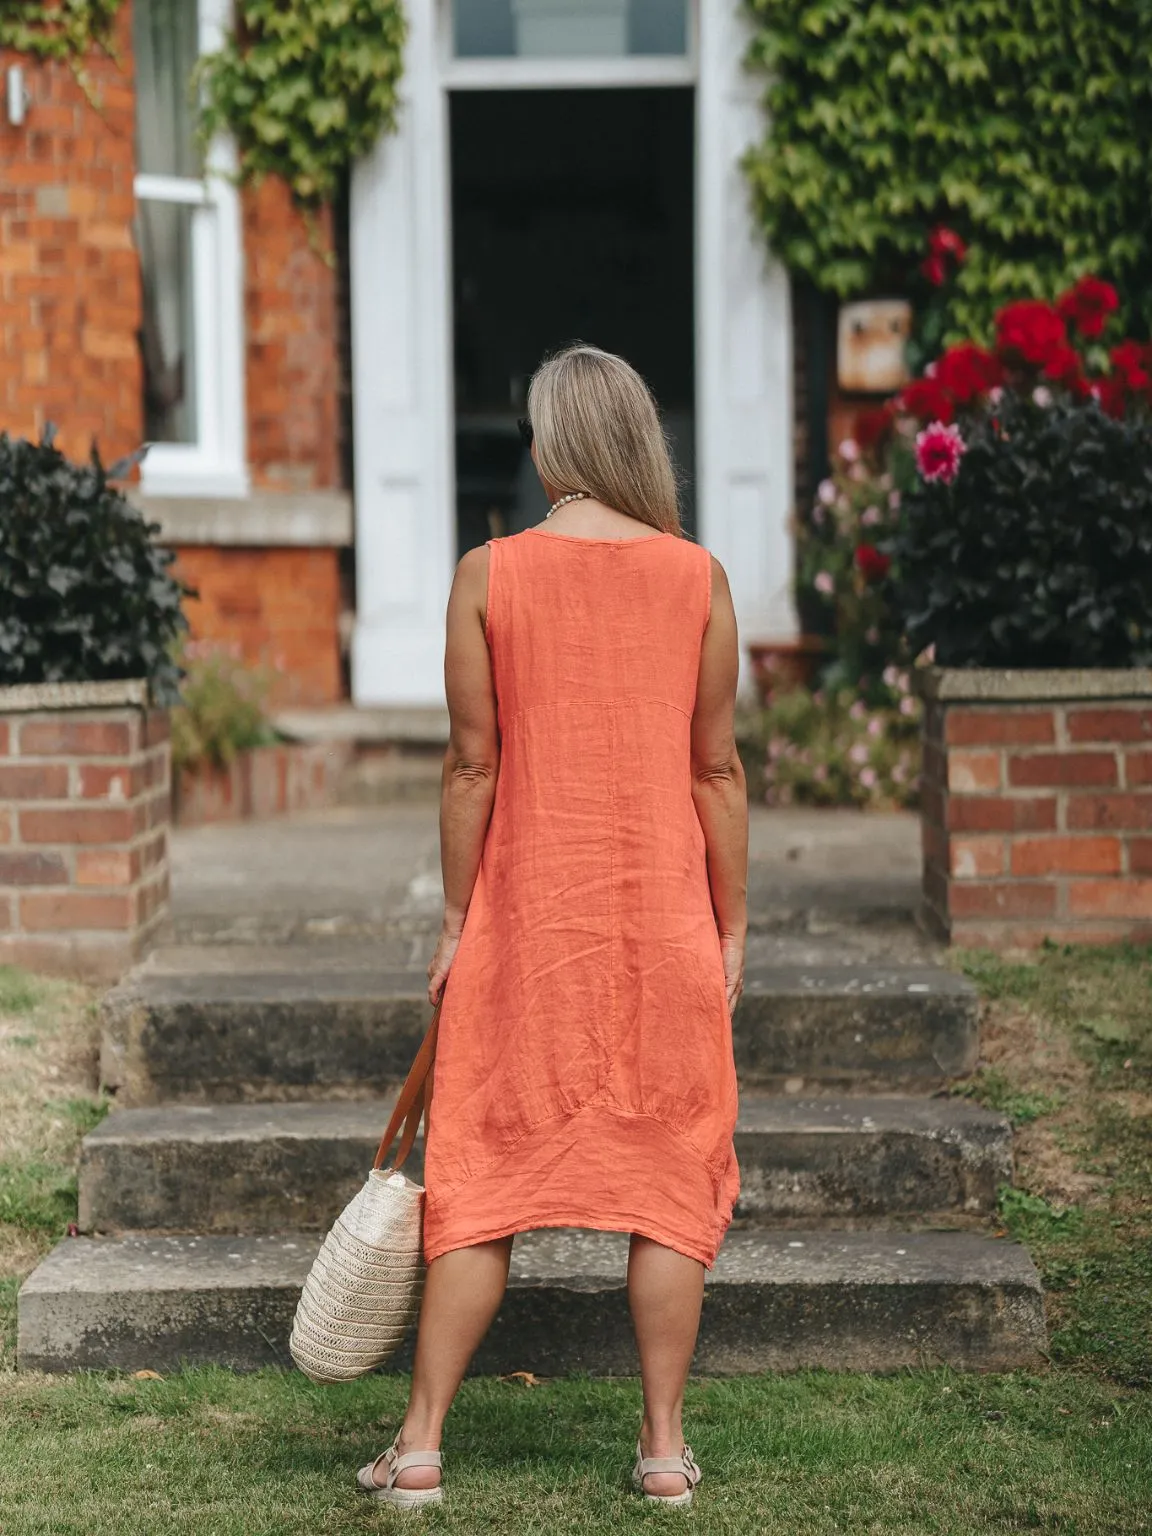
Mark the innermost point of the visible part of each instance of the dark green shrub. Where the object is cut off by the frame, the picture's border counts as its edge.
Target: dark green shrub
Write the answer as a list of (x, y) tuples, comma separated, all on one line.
[(85, 594), (1039, 552)]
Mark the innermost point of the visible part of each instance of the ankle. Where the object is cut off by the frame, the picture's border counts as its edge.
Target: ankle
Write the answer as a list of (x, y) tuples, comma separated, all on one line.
[(662, 1437), (418, 1436)]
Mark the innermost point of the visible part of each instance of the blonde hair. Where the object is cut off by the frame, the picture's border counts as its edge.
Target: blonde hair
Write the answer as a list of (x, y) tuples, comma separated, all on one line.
[(596, 429)]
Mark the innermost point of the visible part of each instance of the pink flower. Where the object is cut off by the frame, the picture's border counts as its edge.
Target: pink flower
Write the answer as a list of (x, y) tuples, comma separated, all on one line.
[(938, 451), (868, 778), (818, 515), (849, 450), (875, 727), (899, 774), (859, 753), (870, 516), (894, 502), (858, 711), (907, 705), (891, 676), (824, 583), (827, 492), (1042, 396)]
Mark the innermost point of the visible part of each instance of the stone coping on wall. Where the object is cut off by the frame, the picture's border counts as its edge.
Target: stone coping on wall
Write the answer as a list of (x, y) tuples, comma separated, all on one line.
[(262, 519), (25, 698), (996, 685)]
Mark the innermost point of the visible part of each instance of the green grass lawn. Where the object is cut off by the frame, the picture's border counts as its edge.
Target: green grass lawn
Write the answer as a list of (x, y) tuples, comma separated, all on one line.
[(270, 1455), (1067, 1053)]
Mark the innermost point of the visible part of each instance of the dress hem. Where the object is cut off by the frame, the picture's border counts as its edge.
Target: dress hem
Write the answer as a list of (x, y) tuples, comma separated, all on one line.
[(582, 1221)]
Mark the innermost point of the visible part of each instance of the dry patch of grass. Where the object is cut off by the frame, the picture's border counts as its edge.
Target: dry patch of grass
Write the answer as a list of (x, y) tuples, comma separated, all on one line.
[(1066, 1053), (48, 1100)]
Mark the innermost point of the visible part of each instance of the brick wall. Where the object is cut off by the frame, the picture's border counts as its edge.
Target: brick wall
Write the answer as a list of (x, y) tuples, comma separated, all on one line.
[(1037, 820), (69, 281), (280, 607), (84, 811), (290, 302)]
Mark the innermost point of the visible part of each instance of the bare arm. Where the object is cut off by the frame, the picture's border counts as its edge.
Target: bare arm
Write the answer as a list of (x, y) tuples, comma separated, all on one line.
[(472, 761), (718, 788)]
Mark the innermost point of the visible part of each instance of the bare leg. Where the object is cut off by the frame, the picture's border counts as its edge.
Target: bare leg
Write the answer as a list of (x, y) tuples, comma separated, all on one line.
[(462, 1294), (665, 1291)]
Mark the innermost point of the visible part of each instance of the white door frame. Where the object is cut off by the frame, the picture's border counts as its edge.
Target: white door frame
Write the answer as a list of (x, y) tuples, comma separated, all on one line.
[(402, 348)]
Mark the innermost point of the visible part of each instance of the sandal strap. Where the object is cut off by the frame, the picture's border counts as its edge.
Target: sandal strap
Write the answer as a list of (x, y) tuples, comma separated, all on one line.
[(683, 1465), (418, 1459), (397, 1464)]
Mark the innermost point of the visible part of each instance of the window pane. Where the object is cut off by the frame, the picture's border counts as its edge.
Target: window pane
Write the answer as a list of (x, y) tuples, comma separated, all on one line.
[(166, 45), (569, 29), (164, 237)]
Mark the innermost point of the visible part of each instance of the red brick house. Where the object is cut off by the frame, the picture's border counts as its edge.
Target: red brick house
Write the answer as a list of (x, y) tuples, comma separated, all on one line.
[(561, 168), (138, 303)]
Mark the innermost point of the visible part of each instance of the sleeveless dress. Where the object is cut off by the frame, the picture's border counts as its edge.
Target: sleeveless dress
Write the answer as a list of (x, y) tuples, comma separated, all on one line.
[(584, 1069)]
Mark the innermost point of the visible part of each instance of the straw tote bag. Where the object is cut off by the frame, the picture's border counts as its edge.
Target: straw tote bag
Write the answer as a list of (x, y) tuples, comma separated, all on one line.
[(363, 1291)]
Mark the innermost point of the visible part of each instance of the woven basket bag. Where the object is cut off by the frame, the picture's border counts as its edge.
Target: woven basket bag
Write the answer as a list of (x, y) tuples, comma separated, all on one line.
[(363, 1290)]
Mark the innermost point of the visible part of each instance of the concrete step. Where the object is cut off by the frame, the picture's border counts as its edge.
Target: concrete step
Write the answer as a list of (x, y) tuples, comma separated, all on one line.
[(775, 1301), (260, 1168), (257, 1024)]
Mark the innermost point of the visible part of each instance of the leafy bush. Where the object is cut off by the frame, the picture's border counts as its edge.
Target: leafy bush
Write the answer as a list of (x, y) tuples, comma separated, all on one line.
[(1026, 539), (841, 564), (222, 708), (87, 594), (306, 88), (1027, 128), (822, 748)]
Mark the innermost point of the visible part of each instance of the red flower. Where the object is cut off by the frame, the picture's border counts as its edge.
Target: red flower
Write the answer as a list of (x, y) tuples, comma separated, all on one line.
[(1064, 366), (928, 400), (968, 371), (943, 241), (1112, 395), (938, 452), (933, 268), (873, 427), (1088, 304), (1030, 331), (871, 564), (1130, 362)]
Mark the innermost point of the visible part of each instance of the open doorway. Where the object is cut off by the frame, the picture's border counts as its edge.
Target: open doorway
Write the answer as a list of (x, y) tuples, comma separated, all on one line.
[(572, 218)]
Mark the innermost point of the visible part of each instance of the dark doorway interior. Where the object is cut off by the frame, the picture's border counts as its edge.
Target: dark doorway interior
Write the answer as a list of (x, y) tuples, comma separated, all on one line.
[(572, 219)]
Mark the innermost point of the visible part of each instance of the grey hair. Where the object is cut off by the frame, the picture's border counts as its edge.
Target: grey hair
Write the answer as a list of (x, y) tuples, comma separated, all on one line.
[(596, 429)]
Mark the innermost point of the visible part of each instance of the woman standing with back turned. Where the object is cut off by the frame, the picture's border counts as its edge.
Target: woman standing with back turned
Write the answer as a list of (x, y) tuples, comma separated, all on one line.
[(594, 843)]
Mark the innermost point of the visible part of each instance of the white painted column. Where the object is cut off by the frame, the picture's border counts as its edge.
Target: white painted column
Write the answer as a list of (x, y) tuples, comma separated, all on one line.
[(402, 391), (743, 346)]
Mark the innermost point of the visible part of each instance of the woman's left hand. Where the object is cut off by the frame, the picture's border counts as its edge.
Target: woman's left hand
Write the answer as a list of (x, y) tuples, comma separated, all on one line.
[(446, 946)]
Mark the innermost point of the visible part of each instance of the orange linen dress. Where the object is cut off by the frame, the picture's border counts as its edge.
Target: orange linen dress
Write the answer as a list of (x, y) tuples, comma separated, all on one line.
[(584, 1069)]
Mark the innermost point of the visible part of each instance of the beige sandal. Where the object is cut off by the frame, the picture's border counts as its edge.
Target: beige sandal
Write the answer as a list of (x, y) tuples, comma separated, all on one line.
[(684, 1466), (387, 1492)]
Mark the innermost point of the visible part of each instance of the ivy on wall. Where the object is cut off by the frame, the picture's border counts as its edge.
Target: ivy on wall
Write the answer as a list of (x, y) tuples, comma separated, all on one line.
[(305, 88), (1025, 125), (56, 29)]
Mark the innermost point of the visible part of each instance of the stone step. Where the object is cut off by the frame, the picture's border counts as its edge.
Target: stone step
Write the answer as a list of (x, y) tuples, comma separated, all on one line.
[(261, 1168), (775, 1301), (257, 1024)]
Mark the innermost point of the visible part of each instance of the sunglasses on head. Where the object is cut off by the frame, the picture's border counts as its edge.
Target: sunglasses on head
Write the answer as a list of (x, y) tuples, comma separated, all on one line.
[(524, 427)]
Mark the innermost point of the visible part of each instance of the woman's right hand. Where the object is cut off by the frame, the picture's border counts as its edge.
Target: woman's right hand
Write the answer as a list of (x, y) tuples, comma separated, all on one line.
[(732, 949)]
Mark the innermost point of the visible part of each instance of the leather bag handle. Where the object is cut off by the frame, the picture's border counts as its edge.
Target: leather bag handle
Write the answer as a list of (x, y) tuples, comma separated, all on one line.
[(412, 1103)]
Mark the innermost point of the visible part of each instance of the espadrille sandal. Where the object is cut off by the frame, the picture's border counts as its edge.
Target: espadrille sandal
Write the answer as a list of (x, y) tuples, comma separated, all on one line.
[(387, 1492), (683, 1466)]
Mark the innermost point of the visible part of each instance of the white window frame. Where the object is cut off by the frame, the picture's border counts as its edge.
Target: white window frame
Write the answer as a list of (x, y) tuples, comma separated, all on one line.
[(214, 465)]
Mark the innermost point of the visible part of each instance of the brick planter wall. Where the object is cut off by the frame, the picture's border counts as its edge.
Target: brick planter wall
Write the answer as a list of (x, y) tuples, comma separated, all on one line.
[(1036, 806), (85, 790), (266, 781)]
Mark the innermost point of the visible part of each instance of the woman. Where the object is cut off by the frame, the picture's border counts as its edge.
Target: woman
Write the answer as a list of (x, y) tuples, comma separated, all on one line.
[(594, 839)]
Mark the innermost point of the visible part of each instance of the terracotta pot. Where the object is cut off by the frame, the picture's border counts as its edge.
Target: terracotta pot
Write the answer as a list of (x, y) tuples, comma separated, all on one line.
[(780, 665)]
